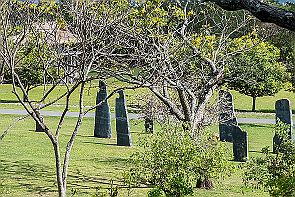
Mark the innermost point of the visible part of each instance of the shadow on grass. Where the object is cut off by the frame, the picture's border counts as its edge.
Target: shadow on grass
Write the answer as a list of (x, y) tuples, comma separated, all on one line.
[(260, 111), (31, 177), (8, 101), (101, 143), (118, 163), (256, 125), (36, 178), (254, 151)]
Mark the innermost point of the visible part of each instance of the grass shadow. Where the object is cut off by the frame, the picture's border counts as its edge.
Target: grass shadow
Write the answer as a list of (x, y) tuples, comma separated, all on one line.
[(30, 177), (101, 143), (256, 125), (260, 111), (254, 151), (8, 101), (37, 178)]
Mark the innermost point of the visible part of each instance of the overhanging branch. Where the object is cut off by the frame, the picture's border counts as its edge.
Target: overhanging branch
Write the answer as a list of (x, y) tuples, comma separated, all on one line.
[(262, 11)]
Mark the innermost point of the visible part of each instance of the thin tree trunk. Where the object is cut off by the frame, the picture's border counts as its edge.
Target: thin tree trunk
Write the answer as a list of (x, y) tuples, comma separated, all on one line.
[(72, 139), (25, 95), (253, 104), (1, 73), (60, 186)]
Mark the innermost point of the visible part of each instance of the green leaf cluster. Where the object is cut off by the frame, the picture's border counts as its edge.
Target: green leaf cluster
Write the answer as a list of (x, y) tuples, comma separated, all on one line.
[(256, 71), (274, 172), (174, 163)]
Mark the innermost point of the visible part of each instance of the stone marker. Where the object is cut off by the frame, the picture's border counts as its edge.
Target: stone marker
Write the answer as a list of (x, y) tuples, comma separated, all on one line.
[(227, 119), (240, 144), (283, 114), (122, 122), (38, 126), (102, 128), (149, 125)]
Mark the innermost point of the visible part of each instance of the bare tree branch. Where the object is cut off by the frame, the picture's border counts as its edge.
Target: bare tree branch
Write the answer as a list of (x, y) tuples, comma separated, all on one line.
[(262, 11), (12, 125)]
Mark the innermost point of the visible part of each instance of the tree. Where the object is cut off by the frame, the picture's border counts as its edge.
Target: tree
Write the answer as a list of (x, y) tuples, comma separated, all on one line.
[(285, 41), (256, 72), (263, 11), (178, 52), (77, 33), (173, 163), (30, 68), (274, 172)]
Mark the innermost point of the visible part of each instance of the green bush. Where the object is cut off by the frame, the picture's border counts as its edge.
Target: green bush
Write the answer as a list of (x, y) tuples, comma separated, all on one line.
[(274, 172), (174, 163)]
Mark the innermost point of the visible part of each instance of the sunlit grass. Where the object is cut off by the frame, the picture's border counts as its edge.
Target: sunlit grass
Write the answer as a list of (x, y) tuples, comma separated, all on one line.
[(27, 162), (264, 105), (9, 101)]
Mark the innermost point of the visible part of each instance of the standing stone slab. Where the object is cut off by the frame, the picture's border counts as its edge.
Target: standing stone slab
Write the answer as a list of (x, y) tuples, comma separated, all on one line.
[(102, 128), (283, 114), (122, 121), (227, 119), (38, 126), (240, 144), (149, 125)]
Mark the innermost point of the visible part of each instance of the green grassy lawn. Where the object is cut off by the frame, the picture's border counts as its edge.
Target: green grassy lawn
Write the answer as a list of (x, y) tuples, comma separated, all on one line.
[(9, 101), (27, 163), (242, 103), (264, 104)]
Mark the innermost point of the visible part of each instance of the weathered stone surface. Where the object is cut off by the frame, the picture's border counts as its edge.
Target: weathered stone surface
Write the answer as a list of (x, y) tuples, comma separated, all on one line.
[(149, 125), (122, 122), (102, 128), (227, 119), (283, 114), (240, 144), (38, 126)]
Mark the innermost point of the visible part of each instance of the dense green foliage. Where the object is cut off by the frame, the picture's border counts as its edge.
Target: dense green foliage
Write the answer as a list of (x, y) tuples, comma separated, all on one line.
[(275, 172), (256, 72), (172, 162), (285, 41)]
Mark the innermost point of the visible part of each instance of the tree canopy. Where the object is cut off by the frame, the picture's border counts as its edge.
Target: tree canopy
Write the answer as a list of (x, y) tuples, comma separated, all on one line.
[(256, 72)]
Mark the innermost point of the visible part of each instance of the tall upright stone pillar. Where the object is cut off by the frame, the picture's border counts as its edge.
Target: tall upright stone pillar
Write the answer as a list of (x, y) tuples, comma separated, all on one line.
[(122, 121), (227, 119), (38, 126), (149, 125), (102, 128), (283, 114), (240, 144)]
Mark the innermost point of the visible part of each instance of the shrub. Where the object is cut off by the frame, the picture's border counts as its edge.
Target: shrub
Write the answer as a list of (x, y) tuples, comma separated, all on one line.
[(174, 163), (274, 172)]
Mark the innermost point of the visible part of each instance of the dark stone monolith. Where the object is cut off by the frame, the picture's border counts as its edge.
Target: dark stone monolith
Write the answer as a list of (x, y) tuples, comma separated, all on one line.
[(149, 125), (38, 126), (102, 128), (240, 144), (283, 114), (122, 122), (227, 119)]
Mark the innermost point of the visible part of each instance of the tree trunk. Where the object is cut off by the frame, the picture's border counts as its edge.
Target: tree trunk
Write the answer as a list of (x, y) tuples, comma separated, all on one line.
[(253, 104), (25, 95), (205, 184), (1, 78), (59, 178), (1, 73)]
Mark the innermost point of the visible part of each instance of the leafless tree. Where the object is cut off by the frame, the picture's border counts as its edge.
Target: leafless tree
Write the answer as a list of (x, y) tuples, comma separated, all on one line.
[(77, 34), (181, 62)]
